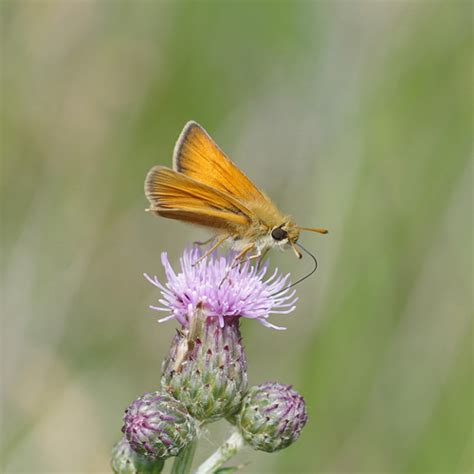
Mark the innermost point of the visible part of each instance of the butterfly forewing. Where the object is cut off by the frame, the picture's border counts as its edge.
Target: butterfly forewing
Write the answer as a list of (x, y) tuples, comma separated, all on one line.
[(196, 155)]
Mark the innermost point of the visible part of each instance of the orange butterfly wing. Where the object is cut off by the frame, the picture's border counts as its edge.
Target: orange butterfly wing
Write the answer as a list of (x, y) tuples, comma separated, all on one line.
[(198, 156), (177, 196)]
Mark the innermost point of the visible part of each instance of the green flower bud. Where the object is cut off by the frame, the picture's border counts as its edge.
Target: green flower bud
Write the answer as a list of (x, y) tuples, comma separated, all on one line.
[(158, 426), (126, 461), (206, 368), (272, 416)]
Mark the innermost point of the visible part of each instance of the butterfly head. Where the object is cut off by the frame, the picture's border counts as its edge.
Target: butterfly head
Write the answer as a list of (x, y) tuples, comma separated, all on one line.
[(286, 235)]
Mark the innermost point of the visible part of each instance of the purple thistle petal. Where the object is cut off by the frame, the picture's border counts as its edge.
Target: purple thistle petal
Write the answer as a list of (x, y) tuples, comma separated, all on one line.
[(221, 290), (167, 318), (269, 325)]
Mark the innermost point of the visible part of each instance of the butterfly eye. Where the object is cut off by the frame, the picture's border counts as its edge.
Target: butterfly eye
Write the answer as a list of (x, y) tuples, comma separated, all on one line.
[(279, 234)]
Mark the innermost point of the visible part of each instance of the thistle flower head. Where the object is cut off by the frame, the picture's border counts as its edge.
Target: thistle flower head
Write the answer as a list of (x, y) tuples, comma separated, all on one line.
[(222, 290), (272, 416), (158, 426)]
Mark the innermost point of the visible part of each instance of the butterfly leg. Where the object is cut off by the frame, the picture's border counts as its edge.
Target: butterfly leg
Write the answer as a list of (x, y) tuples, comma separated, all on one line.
[(262, 258), (219, 241), (239, 258), (205, 242), (252, 257)]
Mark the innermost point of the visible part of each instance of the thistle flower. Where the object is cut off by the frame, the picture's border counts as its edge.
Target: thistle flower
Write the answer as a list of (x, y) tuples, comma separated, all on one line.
[(158, 426), (222, 290), (272, 416), (206, 368), (126, 461)]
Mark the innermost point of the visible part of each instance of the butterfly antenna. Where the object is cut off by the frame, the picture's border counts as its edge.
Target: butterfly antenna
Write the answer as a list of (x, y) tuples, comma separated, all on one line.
[(306, 276)]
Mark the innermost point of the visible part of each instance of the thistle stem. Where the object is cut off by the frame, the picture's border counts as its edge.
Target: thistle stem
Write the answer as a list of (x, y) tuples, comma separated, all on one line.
[(182, 463), (230, 447)]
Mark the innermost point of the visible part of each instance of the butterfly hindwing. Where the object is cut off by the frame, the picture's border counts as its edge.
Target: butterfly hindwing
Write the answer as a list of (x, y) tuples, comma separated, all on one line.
[(177, 196)]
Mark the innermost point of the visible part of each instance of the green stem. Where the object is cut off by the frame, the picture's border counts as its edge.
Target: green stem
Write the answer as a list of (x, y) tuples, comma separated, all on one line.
[(182, 463), (222, 455)]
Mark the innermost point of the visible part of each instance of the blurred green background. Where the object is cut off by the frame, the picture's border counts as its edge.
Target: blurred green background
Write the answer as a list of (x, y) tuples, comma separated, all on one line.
[(356, 116)]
